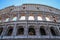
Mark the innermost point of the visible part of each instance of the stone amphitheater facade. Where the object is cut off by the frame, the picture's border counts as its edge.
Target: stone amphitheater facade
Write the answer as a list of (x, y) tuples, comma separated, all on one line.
[(30, 22)]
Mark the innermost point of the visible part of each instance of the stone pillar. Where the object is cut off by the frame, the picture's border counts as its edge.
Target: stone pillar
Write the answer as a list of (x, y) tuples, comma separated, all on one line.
[(18, 16), (43, 17), (14, 30), (48, 31), (37, 32), (26, 31), (35, 17), (11, 16), (27, 15), (58, 30), (26, 26), (37, 29), (4, 31)]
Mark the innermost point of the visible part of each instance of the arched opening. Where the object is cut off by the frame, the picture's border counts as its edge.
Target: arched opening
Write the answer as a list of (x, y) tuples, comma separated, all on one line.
[(47, 18), (1, 29), (39, 18), (7, 19), (22, 18), (31, 31), (53, 31), (10, 30), (31, 17), (14, 18), (20, 31), (42, 31)]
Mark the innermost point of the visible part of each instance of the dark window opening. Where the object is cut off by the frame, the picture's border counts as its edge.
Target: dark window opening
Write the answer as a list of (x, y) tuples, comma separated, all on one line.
[(20, 31), (10, 30), (23, 7), (50, 9), (31, 31), (37, 7), (1, 29), (52, 31), (59, 28), (42, 31), (54, 19), (11, 9)]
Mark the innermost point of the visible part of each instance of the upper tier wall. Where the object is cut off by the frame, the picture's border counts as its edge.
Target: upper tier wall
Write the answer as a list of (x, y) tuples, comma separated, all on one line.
[(31, 7)]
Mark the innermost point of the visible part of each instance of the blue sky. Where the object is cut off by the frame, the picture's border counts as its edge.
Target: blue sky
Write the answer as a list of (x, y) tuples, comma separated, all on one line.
[(6, 3)]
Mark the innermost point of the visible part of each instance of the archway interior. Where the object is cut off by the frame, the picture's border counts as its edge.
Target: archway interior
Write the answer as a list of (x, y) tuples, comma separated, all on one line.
[(31, 31), (20, 31), (10, 30), (53, 31), (42, 31)]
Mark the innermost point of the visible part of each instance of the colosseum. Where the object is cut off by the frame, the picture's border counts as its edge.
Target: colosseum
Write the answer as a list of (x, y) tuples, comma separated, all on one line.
[(30, 22)]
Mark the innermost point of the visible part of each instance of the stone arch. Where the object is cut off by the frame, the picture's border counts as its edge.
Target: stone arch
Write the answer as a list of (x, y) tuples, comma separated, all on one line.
[(22, 16), (20, 30), (42, 30), (31, 30), (1, 29), (53, 31), (31, 16), (10, 30)]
